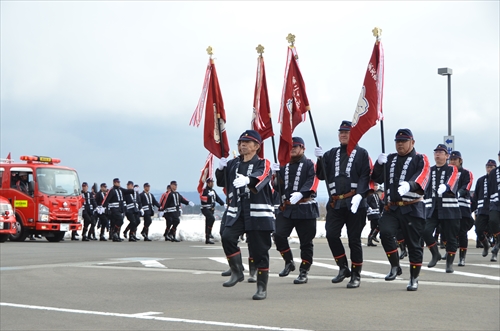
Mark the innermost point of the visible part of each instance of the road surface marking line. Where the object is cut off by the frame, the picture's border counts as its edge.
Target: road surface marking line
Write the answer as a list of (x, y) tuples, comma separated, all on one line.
[(363, 273), (149, 317)]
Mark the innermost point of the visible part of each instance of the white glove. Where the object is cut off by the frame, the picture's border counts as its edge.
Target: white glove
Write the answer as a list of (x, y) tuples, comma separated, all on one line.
[(142, 212), (382, 158), (225, 205), (241, 181), (318, 151), (136, 189), (442, 188), (211, 193), (275, 166), (403, 188), (458, 194), (100, 210), (295, 197), (191, 203), (160, 214), (222, 163), (355, 203)]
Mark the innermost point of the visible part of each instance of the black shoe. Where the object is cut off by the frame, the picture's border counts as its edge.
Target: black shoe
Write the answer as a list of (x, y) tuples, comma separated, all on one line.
[(435, 256), (404, 252), (236, 271), (355, 277), (84, 238), (413, 284), (343, 271), (461, 257), (302, 278), (289, 264), (395, 268), (449, 262), (147, 239), (208, 241), (93, 238), (102, 239), (125, 234), (375, 240), (370, 242)]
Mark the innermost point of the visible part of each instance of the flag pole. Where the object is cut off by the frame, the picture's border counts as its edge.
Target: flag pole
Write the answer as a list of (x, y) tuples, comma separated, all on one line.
[(291, 40)]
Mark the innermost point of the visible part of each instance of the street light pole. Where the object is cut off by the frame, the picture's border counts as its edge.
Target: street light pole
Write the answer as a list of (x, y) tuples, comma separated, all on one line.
[(447, 72)]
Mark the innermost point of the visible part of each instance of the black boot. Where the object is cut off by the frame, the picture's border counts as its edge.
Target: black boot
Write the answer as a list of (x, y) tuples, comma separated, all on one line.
[(73, 235), (101, 237), (84, 238), (145, 234), (414, 272), (343, 271), (303, 270), (226, 273), (402, 247), (236, 270), (370, 240), (449, 262), (486, 247), (289, 264), (262, 278), (125, 232), (393, 258), (131, 237), (208, 240), (494, 251), (374, 235), (252, 271), (461, 260), (435, 255), (172, 236), (116, 238), (355, 276)]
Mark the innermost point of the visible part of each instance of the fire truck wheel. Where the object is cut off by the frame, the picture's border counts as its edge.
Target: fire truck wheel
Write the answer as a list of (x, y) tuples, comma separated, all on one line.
[(3, 237), (55, 237), (21, 233)]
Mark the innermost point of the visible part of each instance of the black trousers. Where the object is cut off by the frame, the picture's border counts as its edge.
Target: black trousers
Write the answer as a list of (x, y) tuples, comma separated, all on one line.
[(87, 221), (449, 228), (259, 243), (306, 230), (134, 220), (495, 223), (374, 223), (103, 222), (335, 221), (116, 219), (482, 226), (466, 224), (404, 227), (147, 221), (209, 220), (173, 221)]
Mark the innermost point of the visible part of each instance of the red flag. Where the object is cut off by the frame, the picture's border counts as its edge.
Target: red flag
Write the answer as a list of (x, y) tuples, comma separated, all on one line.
[(206, 173), (261, 118), (294, 105), (8, 157), (215, 116), (369, 108)]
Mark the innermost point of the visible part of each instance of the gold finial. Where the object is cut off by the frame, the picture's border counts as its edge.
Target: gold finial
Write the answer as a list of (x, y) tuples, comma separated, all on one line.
[(210, 51), (291, 39), (377, 32), (260, 49)]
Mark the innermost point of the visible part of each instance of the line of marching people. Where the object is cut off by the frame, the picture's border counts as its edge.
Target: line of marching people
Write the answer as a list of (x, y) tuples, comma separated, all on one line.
[(105, 210)]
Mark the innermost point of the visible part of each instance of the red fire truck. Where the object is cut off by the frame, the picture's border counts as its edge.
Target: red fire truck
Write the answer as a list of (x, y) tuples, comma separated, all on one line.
[(45, 196), (7, 220)]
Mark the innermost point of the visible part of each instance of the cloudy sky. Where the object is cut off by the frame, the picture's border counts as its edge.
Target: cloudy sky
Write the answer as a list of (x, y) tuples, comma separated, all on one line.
[(110, 87)]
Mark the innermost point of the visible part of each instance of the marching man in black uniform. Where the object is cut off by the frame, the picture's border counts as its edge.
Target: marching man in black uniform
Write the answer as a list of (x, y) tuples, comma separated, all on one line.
[(348, 179), (208, 199), (173, 210), (442, 207), (406, 178), (103, 220), (250, 210), (163, 201), (481, 206), (133, 211), (373, 214), (147, 201), (115, 202), (89, 205), (465, 179), (494, 193), (298, 185)]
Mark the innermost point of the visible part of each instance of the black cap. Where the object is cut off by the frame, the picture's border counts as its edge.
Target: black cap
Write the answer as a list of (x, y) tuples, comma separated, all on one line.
[(345, 126), (168, 186), (173, 182), (455, 155), (251, 135), (136, 185), (85, 184), (116, 180), (209, 180), (104, 185), (130, 182), (403, 134), (491, 163), (146, 184), (297, 141), (441, 147)]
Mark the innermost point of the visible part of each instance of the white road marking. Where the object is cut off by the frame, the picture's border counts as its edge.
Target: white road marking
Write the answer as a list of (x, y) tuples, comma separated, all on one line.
[(147, 316), (434, 269), (495, 266), (152, 264), (364, 273), (223, 260)]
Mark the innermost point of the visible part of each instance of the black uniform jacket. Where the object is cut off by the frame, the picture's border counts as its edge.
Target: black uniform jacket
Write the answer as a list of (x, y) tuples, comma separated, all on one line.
[(480, 201), (413, 168), (148, 201), (114, 199), (252, 202), (208, 200), (299, 177), (133, 202), (494, 189), (465, 179), (446, 204), (89, 203), (345, 173), (173, 203)]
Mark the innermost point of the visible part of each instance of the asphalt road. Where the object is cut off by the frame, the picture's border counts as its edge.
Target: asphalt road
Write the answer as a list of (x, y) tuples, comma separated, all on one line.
[(177, 286)]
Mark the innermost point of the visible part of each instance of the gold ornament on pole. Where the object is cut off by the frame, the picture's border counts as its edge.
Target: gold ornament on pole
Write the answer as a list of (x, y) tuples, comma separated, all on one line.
[(291, 39), (210, 51), (377, 32), (260, 49)]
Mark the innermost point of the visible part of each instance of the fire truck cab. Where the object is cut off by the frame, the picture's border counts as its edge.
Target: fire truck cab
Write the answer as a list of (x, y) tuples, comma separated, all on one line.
[(45, 197), (7, 220)]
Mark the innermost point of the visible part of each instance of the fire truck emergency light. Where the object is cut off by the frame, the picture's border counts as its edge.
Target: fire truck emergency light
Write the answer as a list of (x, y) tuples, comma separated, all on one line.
[(44, 159)]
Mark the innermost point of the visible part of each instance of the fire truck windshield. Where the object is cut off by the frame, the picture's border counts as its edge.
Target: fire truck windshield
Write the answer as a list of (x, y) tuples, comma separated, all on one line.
[(54, 181)]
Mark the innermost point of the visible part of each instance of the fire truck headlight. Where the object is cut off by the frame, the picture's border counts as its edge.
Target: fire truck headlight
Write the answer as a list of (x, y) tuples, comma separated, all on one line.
[(43, 213), (80, 217)]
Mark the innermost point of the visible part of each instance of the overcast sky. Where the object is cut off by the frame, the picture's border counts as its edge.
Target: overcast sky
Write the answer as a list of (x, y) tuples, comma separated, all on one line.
[(110, 87)]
